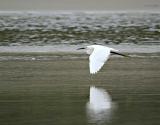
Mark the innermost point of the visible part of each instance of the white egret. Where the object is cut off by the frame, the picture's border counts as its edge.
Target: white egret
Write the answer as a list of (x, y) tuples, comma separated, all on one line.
[(98, 56)]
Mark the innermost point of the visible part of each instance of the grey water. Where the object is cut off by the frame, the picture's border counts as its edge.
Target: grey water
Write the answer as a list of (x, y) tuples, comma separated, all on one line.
[(56, 92), (72, 28)]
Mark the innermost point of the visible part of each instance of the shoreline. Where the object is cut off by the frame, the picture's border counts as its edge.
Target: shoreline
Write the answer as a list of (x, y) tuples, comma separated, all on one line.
[(67, 52), (125, 48)]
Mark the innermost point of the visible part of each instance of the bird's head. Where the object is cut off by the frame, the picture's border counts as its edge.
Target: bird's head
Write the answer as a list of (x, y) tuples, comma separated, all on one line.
[(88, 49)]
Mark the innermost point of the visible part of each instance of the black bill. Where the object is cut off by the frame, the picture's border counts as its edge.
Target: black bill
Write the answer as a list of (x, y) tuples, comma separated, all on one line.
[(80, 48)]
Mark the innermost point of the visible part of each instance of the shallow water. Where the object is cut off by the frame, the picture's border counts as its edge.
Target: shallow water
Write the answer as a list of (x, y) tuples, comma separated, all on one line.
[(56, 92), (72, 28)]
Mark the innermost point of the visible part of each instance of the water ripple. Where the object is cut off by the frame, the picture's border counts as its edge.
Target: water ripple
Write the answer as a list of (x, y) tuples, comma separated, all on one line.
[(31, 28)]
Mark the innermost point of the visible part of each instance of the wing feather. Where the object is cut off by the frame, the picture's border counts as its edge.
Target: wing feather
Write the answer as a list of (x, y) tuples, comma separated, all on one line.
[(97, 59)]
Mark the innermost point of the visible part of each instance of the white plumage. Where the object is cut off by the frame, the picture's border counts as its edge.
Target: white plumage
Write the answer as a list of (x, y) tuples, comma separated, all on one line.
[(98, 56)]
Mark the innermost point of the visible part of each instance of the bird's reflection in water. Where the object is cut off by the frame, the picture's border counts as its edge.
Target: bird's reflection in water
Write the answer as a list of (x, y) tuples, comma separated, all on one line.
[(99, 107)]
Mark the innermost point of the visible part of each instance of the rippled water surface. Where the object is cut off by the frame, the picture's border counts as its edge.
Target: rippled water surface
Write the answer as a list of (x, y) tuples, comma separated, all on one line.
[(50, 28)]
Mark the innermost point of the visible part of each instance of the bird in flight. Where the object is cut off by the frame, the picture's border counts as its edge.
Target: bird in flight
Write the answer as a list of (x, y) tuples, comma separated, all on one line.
[(99, 55)]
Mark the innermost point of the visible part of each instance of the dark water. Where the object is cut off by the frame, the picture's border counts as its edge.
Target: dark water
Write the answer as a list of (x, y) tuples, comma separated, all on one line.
[(72, 28), (56, 92)]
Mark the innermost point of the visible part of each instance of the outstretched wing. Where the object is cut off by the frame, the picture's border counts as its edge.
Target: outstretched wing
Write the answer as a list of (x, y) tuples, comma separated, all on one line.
[(97, 59)]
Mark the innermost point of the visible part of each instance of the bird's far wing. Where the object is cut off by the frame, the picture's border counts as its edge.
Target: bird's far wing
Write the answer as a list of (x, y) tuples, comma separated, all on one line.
[(98, 58)]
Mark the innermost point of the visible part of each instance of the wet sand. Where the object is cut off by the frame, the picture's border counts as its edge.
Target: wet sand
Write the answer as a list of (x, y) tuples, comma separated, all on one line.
[(127, 48), (56, 91)]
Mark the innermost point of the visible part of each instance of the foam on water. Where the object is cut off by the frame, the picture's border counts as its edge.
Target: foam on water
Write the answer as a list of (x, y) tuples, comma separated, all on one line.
[(50, 28)]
